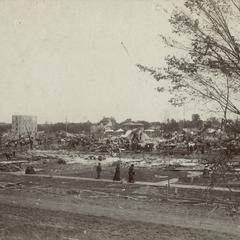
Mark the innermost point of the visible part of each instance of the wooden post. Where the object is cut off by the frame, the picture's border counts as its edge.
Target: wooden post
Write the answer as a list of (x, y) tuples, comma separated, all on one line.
[(167, 192), (176, 191)]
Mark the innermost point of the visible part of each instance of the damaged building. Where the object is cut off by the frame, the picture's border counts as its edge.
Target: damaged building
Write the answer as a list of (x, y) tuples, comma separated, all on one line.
[(24, 124)]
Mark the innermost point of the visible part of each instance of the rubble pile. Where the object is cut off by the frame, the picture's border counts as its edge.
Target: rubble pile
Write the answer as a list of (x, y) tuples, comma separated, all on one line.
[(69, 157), (9, 168)]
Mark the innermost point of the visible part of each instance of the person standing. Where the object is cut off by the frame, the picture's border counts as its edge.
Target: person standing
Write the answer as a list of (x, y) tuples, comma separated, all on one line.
[(99, 170), (131, 174), (31, 143), (117, 173), (7, 155)]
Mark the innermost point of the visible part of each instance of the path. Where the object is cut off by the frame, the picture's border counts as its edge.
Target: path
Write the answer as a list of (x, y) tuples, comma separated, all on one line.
[(155, 184)]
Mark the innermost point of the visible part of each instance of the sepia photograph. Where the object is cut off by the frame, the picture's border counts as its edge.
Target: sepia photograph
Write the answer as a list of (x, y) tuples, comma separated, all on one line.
[(120, 120)]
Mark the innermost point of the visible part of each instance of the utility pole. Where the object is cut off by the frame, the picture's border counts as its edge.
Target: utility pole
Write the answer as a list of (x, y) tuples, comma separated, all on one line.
[(66, 125), (184, 112)]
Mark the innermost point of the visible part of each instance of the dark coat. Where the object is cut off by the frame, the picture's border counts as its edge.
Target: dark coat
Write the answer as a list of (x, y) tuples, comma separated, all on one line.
[(117, 173)]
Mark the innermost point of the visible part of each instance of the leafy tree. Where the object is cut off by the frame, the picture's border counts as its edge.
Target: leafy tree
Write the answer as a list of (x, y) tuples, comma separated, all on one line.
[(211, 70), (196, 117), (196, 120), (4, 127), (71, 127), (213, 122), (171, 125), (107, 120), (185, 124)]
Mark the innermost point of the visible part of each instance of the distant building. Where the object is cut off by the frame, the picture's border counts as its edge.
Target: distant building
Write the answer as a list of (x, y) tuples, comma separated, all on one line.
[(22, 125), (132, 125)]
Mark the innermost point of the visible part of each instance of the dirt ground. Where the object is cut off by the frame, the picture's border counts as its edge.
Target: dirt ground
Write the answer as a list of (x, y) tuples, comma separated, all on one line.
[(34, 207), (33, 223), (48, 208), (151, 174), (48, 165)]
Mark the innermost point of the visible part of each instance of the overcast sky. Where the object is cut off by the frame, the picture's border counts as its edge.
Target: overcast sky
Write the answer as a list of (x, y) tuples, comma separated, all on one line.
[(64, 58)]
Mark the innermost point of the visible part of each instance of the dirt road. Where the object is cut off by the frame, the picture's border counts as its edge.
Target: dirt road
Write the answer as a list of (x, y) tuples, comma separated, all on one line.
[(34, 223), (51, 209)]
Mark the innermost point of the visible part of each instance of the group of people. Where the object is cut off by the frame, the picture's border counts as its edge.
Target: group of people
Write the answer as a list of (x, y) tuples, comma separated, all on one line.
[(9, 154), (13, 144), (11, 147), (117, 176)]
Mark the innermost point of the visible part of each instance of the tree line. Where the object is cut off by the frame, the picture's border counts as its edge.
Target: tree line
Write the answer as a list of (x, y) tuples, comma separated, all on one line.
[(170, 125)]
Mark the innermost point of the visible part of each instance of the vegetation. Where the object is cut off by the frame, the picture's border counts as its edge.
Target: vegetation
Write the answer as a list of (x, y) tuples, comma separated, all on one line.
[(171, 125), (208, 67)]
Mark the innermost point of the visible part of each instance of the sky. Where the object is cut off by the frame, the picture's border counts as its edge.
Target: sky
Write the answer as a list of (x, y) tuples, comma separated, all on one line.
[(76, 60)]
